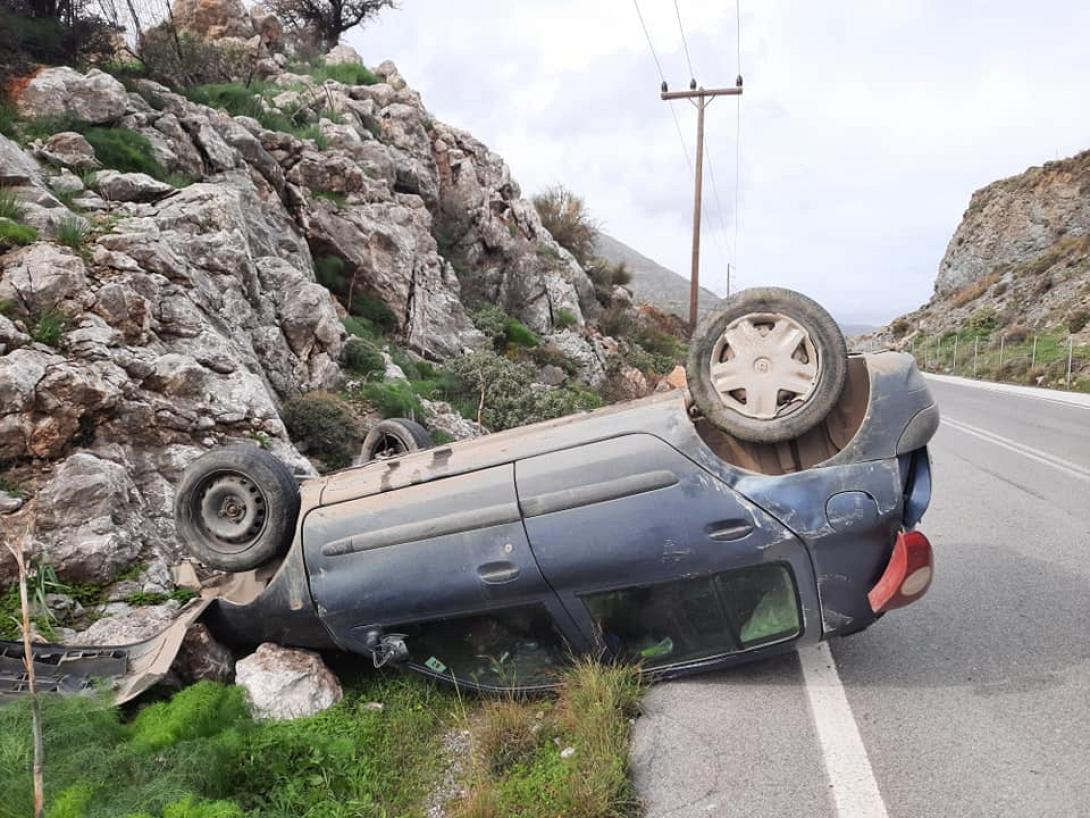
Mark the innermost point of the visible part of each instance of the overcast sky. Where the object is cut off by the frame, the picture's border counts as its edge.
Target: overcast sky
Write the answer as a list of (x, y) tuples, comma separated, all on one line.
[(865, 125)]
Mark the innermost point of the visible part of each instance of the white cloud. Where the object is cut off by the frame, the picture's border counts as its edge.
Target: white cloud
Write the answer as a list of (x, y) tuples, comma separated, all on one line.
[(865, 126)]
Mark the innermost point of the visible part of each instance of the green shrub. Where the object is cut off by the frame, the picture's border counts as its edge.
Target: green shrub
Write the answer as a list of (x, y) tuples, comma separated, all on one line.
[(124, 150), (615, 322), (565, 216), (15, 235), (49, 326), (1077, 320), (325, 426), (375, 310), (983, 321), (360, 327), (899, 327), (564, 319), (9, 119), (329, 270), (345, 73), (363, 358), (393, 399), (11, 206), (192, 808), (492, 321), (518, 334), (234, 98), (71, 231), (199, 711)]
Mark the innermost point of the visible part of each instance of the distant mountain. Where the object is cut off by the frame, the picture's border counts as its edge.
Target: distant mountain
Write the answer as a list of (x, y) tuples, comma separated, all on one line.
[(651, 282), (856, 329)]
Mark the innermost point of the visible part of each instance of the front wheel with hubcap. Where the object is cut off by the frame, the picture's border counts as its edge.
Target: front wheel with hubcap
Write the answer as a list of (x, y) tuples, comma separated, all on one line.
[(236, 507), (768, 365)]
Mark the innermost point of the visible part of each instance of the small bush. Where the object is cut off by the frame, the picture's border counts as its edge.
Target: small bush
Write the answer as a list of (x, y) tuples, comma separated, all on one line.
[(360, 327), (124, 150), (71, 231), (11, 206), (375, 310), (492, 321), (338, 200), (899, 327), (393, 399), (363, 358), (196, 712), (325, 426), (1077, 320), (983, 321), (329, 270), (49, 326), (615, 322), (565, 216), (1016, 334), (519, 335), (15, 235), (346, 73), (564, 319)]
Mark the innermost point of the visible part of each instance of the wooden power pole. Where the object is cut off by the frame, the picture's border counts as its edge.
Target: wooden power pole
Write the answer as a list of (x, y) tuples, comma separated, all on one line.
[(701, 98)]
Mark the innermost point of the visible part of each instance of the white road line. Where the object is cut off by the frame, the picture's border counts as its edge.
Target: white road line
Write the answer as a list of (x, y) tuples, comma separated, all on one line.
[(1079, 400), (855, 791), (1073, 469)]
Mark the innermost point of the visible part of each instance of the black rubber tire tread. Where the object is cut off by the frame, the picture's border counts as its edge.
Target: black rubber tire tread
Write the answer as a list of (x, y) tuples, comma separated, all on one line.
[(828, 340), (271, 476), (409, 433)]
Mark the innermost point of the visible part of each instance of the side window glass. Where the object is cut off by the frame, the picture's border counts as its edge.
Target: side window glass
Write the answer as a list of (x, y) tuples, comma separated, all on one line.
[(691, 619), (515, 647)]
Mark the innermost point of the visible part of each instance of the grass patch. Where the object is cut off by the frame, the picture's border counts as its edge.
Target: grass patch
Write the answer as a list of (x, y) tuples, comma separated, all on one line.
[(242, 100), (346, 74), (568, 757), (13, 234), (49, 326), (363, 358), (201, 754), (124, 150), (393, 399), (564, 319), (71, 231), (11, 206), (338, 200)]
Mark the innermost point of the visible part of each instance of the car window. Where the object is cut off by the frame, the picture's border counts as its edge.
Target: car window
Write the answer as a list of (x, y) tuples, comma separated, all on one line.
[(515, 647), (689, 619)]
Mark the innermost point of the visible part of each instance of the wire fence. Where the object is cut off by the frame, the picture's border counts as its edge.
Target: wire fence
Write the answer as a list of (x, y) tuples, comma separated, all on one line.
[(1055, 360)]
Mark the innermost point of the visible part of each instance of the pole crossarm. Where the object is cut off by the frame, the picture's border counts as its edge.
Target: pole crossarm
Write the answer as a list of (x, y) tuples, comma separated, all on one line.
[(701, 93)]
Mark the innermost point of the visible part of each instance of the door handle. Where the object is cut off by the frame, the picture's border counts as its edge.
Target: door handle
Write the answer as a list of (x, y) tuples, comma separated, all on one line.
[(729, 530), (497, 573)]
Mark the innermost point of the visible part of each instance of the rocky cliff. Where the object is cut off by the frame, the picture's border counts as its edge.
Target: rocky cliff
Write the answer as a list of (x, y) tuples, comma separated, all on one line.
[(1018, 263), (149, 317)]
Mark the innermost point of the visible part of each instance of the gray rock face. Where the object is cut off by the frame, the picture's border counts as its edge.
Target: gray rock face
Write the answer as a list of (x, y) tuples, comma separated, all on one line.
[(126, 624), (201, 657), (343, 55), (68, 150), (16, 168), (94, 97), (282, 683), (213, 19), (1013, 221)]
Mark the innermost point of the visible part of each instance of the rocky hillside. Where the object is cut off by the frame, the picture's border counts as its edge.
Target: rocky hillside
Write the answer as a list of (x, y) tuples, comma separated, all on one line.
[(177, 266), (651, 282), (1017, 265)]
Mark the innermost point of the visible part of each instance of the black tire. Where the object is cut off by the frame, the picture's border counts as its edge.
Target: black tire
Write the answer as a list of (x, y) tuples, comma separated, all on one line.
[(774, 414), (236, 508), (392, 438)]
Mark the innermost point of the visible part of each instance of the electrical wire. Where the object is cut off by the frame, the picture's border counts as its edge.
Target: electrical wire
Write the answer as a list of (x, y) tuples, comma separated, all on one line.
[(662, 76), (684, 42)]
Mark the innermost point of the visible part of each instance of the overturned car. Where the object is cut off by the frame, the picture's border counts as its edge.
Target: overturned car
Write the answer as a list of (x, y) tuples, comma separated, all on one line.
[(771, 504)]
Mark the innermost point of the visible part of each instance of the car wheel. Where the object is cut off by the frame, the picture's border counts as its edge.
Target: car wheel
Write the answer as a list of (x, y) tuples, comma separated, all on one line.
[(393, 438), (236, 508), (768, 365)]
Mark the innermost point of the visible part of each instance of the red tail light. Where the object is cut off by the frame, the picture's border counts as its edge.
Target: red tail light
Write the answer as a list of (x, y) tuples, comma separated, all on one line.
[(907, 576)]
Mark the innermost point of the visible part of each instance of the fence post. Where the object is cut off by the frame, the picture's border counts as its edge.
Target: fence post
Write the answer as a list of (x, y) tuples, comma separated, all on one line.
[(955, 369), (1070, 349), (1002, 344), (1033, 359), (976, 343)]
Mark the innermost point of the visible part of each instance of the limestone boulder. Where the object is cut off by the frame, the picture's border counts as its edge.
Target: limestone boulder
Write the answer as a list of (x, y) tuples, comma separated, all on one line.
[(94, 97), (284, 683)]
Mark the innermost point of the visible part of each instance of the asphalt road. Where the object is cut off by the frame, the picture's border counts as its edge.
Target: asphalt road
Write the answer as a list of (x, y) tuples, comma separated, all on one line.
[(975, 701)]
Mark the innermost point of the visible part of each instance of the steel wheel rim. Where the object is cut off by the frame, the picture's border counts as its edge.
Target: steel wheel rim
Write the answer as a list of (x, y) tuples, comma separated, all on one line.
[(388, 446), (231, 510), (765, 365)]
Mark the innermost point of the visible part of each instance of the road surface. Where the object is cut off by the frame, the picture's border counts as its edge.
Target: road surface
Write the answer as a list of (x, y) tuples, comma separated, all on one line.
[(973, 702)]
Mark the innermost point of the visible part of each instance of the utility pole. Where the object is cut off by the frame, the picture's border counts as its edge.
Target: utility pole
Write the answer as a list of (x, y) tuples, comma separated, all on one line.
[(701, 98)]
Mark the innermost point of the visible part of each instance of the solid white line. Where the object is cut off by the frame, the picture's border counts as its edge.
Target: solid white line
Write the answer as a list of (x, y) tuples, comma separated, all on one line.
[(1073, 469), (855, 792), (1080, 400)]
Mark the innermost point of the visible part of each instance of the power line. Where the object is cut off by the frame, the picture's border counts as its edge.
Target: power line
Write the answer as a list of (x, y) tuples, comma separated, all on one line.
[(662, 76), (684, 42)]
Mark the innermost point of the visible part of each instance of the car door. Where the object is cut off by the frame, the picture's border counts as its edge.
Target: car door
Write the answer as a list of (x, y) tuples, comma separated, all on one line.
[(657, 560), (447, 567)]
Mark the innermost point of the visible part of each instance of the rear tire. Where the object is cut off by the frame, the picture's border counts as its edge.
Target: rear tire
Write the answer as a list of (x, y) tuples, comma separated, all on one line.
[(768, 365), (236, 508), (393, 438)]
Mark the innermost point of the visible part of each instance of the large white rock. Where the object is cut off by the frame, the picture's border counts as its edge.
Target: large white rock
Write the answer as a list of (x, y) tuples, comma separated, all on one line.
[(343, 55), (285, 683), (130, 187), (94, 97)]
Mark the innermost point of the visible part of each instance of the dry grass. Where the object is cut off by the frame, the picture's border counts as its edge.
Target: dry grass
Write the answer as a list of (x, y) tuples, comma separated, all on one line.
[(563, 757), (973, 290)]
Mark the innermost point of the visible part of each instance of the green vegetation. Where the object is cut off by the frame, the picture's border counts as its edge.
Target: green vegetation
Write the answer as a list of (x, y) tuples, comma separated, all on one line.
[(361, 357), (519, 764), (338, 200), (566, 217), (124, 150), (392, 399), (11, 206), (564, 319), (325, 426), (13, 234), (346, 73), (49, 326), (1078, 319), (71, 231), (201, 754), (502, 329), (242, 100)]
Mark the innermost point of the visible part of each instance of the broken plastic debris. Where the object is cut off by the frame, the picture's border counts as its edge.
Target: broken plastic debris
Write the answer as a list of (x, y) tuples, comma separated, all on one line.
[(664, 647)]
